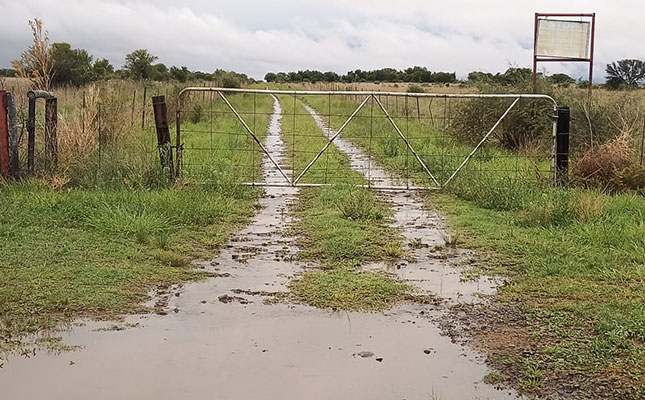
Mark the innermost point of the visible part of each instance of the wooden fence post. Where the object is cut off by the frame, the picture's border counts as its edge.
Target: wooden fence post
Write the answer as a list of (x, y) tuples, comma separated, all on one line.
[(163, 132)]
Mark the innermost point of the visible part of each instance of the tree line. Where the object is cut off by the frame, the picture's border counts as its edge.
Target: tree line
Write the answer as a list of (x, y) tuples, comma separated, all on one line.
[(59, 64), (412, 74)]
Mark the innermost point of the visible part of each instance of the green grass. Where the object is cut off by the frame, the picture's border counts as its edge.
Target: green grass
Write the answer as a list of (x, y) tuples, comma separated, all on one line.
[(96, 253), (217, 146), (576, 260)]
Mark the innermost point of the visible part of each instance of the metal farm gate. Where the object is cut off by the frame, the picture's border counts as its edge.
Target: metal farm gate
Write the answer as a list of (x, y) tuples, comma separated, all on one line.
[(386, 140)]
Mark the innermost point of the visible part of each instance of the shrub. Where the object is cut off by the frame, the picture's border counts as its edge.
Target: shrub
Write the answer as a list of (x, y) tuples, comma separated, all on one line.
[(600, 166), (415, 89)]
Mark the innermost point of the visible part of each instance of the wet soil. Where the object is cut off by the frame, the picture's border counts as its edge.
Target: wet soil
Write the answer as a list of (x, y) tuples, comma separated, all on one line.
[(224, 338)]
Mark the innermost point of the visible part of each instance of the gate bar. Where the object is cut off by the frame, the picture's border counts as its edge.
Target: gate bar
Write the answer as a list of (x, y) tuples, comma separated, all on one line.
[(425, 168), (254, 137), (331, 140), (482, 141)]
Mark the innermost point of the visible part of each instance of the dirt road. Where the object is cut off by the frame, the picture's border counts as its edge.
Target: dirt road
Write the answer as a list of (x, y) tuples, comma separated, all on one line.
[(220, 340)]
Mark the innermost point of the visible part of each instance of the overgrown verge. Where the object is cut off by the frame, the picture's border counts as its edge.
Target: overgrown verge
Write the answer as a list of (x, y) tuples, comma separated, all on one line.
[(341, 228), (96, 253), (571, 320)]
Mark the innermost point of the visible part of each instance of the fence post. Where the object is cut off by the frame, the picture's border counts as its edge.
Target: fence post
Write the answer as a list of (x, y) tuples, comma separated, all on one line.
[(143, 112), (562, 147), (13, 135), (31, 135), (4, 136), (163, 133), (51, 139)]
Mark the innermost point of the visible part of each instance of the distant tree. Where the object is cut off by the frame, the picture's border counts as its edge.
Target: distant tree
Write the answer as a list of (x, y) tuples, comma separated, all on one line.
[(138, 64), (179, 74), (36, 62), (478, 76), (270, 77), (561, 79), (7, 72), (159, 72), (102, 69), (71, 66), (625, 73)]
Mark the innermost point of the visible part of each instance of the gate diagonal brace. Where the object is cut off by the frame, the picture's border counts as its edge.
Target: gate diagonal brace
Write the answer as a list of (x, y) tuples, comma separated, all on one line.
[(481, 142), (239, 117), (423, 165), (331, 140)]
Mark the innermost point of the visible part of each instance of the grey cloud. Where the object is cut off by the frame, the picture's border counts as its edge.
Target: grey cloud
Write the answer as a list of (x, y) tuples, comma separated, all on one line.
[(257, 37)]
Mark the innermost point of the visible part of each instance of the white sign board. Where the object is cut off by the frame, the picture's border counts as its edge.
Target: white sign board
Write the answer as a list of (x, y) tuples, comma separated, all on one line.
[(563, 39)]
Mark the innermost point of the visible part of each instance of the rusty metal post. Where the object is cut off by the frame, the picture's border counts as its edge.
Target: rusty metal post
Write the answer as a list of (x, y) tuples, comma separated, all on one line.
[(13, 135), (4, 136), (163, 133), (31, 135), (51, 139)]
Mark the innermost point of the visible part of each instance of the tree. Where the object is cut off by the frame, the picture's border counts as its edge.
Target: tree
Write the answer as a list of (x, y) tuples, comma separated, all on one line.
[(179, 74), (159, 72), (625, 73), (561, 79), (270, 77), (102, 69), (71, 66), (138, 64), (36, 62)]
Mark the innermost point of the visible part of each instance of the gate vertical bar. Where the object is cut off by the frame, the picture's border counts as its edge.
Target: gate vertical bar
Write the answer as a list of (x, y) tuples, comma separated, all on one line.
[(562, 147), (4, 136)]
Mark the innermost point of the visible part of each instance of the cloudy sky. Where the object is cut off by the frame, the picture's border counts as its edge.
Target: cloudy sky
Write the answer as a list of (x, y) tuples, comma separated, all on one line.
[(256, 37)]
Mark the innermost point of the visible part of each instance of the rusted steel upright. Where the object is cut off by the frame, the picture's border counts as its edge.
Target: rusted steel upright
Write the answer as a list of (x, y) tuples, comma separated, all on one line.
[(163, 132), (4, 136), (51, 138), (13, 135), (31, 135)]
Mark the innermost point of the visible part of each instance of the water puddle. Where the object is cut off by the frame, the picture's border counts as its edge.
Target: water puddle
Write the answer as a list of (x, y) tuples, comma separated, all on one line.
[(221, 340)]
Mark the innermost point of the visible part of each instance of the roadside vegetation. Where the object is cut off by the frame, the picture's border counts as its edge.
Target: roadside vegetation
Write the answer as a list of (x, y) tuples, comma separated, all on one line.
[(575, 258)]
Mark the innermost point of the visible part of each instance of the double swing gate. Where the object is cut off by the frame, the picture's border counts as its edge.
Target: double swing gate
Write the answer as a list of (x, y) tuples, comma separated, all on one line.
[(386, 140)]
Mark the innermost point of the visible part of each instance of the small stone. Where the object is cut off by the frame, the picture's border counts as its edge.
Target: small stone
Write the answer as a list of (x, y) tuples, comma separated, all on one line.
[(379, 359)]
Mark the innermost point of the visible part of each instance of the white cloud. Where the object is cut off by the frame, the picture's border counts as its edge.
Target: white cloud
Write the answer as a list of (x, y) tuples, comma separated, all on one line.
[(257, 37)]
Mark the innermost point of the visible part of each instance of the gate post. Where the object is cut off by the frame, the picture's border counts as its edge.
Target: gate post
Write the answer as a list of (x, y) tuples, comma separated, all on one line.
[(163, 133), (13, 134), (51, 139), (562, 147), (4, 136)]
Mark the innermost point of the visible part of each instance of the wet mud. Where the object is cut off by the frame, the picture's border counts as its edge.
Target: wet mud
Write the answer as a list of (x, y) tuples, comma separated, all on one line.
[(223, 338)]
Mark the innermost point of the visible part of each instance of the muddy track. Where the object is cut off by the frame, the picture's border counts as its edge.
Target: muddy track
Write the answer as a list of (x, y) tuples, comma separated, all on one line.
[(221, 340), (437, 269)]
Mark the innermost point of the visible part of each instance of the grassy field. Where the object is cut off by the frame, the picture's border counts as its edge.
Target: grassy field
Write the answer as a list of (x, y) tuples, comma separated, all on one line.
[(575, 258), (97, 252)]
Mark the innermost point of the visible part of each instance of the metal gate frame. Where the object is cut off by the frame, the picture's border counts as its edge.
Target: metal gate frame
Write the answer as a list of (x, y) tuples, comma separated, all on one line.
[(368, 95)]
